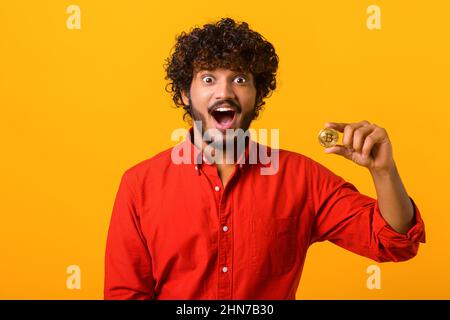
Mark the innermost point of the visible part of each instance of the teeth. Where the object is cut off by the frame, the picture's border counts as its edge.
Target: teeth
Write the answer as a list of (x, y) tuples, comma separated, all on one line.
[(222, 109)]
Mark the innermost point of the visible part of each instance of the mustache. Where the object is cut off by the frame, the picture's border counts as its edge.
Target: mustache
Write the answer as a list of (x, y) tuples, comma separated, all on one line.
[(230, 102)]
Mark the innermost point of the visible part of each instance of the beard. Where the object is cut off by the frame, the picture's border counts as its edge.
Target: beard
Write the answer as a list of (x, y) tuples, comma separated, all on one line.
[(228, 141)]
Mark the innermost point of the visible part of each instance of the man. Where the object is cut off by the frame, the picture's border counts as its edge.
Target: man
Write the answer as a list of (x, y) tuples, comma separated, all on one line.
[(208, 229)]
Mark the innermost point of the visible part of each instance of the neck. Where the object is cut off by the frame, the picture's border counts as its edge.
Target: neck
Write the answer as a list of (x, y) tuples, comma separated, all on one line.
[(228, 154)]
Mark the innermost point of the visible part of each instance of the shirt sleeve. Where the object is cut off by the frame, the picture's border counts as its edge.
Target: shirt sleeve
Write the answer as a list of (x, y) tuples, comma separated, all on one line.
[(353, 221), (128, 267)]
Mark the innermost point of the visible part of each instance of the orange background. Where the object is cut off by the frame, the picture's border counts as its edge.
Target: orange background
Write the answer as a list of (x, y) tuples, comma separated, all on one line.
[(78, 107)]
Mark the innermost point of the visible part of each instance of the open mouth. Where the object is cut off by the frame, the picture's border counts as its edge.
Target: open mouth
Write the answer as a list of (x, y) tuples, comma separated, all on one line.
[(224, 117)]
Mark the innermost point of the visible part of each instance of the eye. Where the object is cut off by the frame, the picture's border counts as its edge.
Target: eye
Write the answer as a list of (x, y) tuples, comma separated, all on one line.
[(207, 79), (240, 80)]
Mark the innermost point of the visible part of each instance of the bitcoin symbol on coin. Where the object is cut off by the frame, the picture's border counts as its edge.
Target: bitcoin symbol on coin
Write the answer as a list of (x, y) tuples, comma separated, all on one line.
[(328, 137)]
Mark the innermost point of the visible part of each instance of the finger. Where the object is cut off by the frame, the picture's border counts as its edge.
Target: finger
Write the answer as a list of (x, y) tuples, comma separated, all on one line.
[(340, 126), (375, 137), (347, 139), (340, 150), (359, 135), (369, 142)]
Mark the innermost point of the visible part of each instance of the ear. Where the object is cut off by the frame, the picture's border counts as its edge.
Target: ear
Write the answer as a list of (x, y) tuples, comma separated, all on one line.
[(184, 97), (258, 99)]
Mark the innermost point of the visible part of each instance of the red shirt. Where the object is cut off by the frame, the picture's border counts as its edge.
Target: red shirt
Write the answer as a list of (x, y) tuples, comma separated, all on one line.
[(177, 233)]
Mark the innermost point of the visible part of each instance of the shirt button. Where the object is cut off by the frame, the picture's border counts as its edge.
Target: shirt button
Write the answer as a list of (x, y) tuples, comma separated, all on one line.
[(217, 188), (224, 269), (225, 228)]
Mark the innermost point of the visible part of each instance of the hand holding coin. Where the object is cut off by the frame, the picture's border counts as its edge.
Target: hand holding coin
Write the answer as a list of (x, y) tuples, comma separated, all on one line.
[(363, 142)]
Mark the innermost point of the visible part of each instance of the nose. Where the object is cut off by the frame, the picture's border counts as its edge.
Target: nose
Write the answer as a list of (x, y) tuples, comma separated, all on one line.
[(224, 90)]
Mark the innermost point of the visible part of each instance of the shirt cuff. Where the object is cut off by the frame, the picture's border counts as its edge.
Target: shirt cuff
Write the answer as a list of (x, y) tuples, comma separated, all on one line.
[(415, 234)]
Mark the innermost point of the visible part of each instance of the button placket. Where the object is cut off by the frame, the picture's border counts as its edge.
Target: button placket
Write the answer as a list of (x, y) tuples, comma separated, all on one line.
[(225, 245)]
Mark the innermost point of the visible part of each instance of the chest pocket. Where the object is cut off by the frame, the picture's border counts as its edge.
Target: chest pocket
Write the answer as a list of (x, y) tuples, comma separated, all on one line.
[(274, 246)]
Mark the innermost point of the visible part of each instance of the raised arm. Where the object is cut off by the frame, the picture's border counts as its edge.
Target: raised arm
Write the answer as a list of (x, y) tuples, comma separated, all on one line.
[(369, 146)]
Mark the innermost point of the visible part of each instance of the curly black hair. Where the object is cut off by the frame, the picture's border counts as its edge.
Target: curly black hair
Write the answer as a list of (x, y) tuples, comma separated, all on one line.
[(225, 44)]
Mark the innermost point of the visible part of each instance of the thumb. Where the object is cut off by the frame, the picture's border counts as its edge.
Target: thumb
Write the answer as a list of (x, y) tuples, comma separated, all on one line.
[(340, 150)]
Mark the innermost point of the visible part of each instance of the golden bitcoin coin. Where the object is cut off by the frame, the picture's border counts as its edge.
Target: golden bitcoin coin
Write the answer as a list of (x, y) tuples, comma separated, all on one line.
[(328, 137)]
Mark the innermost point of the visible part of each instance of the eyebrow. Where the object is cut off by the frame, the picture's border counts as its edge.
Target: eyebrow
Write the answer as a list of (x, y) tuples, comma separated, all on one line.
[(234, 73)]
